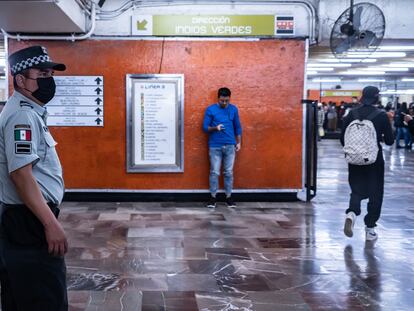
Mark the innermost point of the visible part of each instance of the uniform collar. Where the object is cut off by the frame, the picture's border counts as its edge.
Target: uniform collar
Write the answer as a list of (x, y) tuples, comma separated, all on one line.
[(41, 111)]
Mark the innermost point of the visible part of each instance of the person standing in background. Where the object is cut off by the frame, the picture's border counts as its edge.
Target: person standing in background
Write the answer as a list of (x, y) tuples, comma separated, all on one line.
[(222, 123), (332, 117)]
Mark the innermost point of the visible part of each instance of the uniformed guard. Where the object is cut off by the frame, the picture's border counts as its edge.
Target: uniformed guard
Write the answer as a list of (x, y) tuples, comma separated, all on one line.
[(32, 242)]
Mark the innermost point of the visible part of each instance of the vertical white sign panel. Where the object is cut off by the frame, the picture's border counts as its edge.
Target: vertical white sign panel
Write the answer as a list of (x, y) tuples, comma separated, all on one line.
[(154, 127), (155, 123)]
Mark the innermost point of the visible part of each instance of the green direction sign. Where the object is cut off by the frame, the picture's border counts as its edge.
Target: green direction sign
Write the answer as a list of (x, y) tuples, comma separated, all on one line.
[(142, 25), (341, 93), (207, 25)]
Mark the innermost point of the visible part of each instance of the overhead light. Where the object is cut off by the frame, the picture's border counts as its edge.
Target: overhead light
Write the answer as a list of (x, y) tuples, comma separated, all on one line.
[(394, 69), (321, 68), (361, 72), (328, 65), (396, 48), (345, 60), (371, 69), (311, 72), (378, 54), (326, 80), (371, 80), (403, 65), (388, 54), (407, 79), (401, 92)]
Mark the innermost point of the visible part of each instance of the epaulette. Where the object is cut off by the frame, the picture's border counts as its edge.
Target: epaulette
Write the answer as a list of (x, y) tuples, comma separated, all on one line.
[(25, 104)]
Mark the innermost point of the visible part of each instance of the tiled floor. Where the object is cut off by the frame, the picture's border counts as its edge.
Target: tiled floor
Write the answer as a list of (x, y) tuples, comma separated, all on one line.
[(259, 256)]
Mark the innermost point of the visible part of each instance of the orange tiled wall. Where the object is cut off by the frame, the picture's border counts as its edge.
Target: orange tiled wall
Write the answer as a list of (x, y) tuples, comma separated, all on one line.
[(266, 79)]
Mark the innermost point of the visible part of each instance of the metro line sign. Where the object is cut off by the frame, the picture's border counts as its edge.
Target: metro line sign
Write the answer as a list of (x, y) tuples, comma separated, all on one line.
[(212, 25)]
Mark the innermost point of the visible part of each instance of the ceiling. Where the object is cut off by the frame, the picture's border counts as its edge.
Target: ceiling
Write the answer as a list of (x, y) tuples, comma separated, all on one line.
[(392, 61)]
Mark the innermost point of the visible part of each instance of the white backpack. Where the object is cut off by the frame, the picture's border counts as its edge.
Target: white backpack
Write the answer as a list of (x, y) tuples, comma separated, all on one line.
[(361, 145)]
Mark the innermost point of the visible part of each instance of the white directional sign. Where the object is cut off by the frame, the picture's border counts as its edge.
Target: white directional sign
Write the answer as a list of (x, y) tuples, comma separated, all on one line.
[(78, 101), (75, 121)]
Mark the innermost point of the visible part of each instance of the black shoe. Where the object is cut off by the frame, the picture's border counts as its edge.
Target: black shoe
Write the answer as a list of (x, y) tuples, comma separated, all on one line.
[(212, 203), (230, 202)]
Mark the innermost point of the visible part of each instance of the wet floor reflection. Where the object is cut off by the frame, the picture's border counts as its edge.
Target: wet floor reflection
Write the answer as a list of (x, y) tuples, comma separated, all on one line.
[(367, 272)]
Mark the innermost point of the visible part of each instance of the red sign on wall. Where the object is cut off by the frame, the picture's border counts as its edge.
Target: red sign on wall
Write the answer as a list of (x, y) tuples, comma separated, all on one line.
[(285, 25)]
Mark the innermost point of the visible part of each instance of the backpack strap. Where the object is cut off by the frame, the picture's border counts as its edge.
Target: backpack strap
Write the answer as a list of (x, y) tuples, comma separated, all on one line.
[(355, 114), (373, 114)]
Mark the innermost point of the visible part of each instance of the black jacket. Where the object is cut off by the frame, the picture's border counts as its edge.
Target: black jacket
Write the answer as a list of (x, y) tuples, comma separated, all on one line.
[(411, 125), (381, 123)]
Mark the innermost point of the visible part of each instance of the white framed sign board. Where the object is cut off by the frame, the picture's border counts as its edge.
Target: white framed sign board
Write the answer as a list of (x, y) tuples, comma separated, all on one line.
[(78, 102), (155, 129)]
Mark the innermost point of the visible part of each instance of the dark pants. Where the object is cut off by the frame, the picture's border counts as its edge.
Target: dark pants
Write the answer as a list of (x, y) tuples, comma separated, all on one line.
[(367, 182), (31, 279)]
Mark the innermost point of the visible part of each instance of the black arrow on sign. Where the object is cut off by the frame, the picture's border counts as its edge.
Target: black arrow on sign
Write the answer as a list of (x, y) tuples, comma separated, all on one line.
[(98, 90), (98, 101), (98, 80), (98, 111), (98, 121)]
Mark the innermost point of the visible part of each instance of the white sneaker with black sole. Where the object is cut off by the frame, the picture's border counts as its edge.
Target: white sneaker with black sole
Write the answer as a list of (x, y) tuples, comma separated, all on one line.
[(349, 224), (212, 203), (370, 234), (230, 202)]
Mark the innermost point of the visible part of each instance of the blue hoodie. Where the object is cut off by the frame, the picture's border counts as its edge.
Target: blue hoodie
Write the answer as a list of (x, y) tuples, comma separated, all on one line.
[(229, 117)]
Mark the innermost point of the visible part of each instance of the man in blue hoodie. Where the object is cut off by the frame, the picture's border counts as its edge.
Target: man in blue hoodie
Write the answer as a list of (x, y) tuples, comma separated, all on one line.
[(222, 123)]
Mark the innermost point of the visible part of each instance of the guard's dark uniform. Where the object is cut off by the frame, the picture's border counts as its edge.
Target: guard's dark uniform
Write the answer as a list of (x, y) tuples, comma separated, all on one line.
[(367, 181), (31, 278)]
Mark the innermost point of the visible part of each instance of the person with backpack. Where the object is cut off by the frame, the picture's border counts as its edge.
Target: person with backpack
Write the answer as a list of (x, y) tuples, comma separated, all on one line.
[(363, 130)]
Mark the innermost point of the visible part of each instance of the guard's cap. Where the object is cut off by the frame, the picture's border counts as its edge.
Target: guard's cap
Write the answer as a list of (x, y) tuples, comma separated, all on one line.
[(32, 57)]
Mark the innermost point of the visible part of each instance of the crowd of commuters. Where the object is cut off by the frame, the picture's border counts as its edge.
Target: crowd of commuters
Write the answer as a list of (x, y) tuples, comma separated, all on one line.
[(331, 116)]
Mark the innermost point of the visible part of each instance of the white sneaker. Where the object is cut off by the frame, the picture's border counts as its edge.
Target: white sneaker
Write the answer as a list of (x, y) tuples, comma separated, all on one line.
[(349, 224), (370, 234)]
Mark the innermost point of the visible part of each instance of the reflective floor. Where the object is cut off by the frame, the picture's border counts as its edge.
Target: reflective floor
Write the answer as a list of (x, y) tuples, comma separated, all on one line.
[(258, 256)]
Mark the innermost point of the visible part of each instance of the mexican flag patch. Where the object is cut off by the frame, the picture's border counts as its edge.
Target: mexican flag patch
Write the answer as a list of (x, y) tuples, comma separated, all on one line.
[(22, 135)]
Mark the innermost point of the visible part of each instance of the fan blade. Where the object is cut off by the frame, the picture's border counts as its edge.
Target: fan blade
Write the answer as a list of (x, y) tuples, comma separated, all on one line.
[(343, 46), (357, 18)]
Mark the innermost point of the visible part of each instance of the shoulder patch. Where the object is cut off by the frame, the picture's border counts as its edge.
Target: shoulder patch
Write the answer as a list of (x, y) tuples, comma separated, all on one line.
[(22, 135), (23, 148), (22, 126), (25, 104)]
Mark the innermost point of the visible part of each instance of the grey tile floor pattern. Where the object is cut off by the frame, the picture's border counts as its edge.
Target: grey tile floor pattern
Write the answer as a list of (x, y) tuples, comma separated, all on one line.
[(259, 256)]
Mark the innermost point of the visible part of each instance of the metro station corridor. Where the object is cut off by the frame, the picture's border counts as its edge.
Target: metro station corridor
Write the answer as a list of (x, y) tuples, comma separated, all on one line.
[(258, 256)]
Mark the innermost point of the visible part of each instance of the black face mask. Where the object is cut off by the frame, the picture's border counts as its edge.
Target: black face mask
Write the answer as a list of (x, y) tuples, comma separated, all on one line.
[(46, 90)]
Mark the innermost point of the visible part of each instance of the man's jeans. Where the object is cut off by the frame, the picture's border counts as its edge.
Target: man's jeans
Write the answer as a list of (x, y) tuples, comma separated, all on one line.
[(402, 132), (227, 154)]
